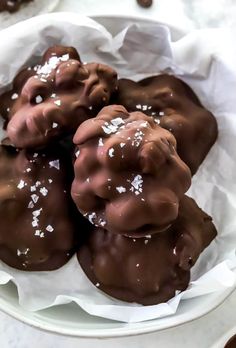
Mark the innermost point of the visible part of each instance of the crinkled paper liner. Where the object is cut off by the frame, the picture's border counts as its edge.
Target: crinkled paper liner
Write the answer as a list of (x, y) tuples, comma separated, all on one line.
[(204, 59)]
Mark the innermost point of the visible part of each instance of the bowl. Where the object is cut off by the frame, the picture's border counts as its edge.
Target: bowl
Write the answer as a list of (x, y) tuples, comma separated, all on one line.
[(69, 319)]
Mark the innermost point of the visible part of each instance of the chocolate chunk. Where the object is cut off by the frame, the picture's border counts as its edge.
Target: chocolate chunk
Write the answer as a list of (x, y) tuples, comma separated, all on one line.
[(145, 3), (231, 343), (40, 226), (50, 100), (11, 5), (128, 177), (175, 106), (148, 270)]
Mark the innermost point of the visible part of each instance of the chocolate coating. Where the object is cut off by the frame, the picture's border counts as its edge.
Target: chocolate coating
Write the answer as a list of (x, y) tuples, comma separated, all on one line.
[(231, 343), (128, 177), (11, 5), (40, 226), (173, 103), (148, 270), (50, 100)]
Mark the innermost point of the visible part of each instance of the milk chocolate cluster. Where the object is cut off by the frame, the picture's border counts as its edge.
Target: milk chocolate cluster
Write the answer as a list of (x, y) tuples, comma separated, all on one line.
[(130, 183), (11, 5), (52, 99), (132, 167), (148, 270), (129, 178), (176, 108), (131, 173), (40, 227)]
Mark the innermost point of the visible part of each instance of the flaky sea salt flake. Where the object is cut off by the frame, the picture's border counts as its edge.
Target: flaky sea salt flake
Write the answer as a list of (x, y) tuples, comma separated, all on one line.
[(111, 152), (35, 198), (37, 212), (14, 96), (34, 223), (100, 142), (43, 191), (21, 184), (30, 205), (38, 99), (121, 189), (57, 102), (49, 228), (55, 164)]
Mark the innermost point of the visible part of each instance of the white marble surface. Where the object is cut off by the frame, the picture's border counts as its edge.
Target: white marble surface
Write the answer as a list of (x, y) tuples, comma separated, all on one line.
[(205, 331)]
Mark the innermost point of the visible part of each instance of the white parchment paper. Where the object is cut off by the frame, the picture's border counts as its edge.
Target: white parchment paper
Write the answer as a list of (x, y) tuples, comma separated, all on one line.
[(206, 60)]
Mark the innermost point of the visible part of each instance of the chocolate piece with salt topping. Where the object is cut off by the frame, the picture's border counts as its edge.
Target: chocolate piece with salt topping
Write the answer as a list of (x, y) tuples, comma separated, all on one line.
[(148, 270), (175, 106), (11, 5), (50, 100), (39, 223), (128, 177)]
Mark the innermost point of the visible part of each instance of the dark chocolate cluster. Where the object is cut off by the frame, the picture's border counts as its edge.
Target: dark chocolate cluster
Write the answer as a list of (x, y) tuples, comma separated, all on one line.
[(52, 99), (129, 178), (40, 226), (132, 167), (11, 5), (176, 108), (152, 269)]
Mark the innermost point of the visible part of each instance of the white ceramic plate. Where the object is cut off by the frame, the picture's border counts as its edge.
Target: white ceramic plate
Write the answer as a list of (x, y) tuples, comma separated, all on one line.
[(70, 320), (73, 321)]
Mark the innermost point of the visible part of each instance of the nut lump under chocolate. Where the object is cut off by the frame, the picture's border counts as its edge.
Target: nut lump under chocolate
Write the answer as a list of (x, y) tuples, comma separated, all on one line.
[(40, 226), (128, 177), (50, 100), (148, 270), (176, 108)]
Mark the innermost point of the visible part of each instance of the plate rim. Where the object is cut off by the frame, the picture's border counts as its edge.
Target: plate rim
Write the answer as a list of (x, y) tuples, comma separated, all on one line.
[(19, 313)]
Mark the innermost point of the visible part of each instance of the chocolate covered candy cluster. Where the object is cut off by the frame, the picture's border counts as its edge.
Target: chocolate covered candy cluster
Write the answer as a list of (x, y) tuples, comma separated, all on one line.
[(39, 223), (129, 178), (52, 99), (130, 183), (122, 208), (176, 108), (41, 226), (148, 270)]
